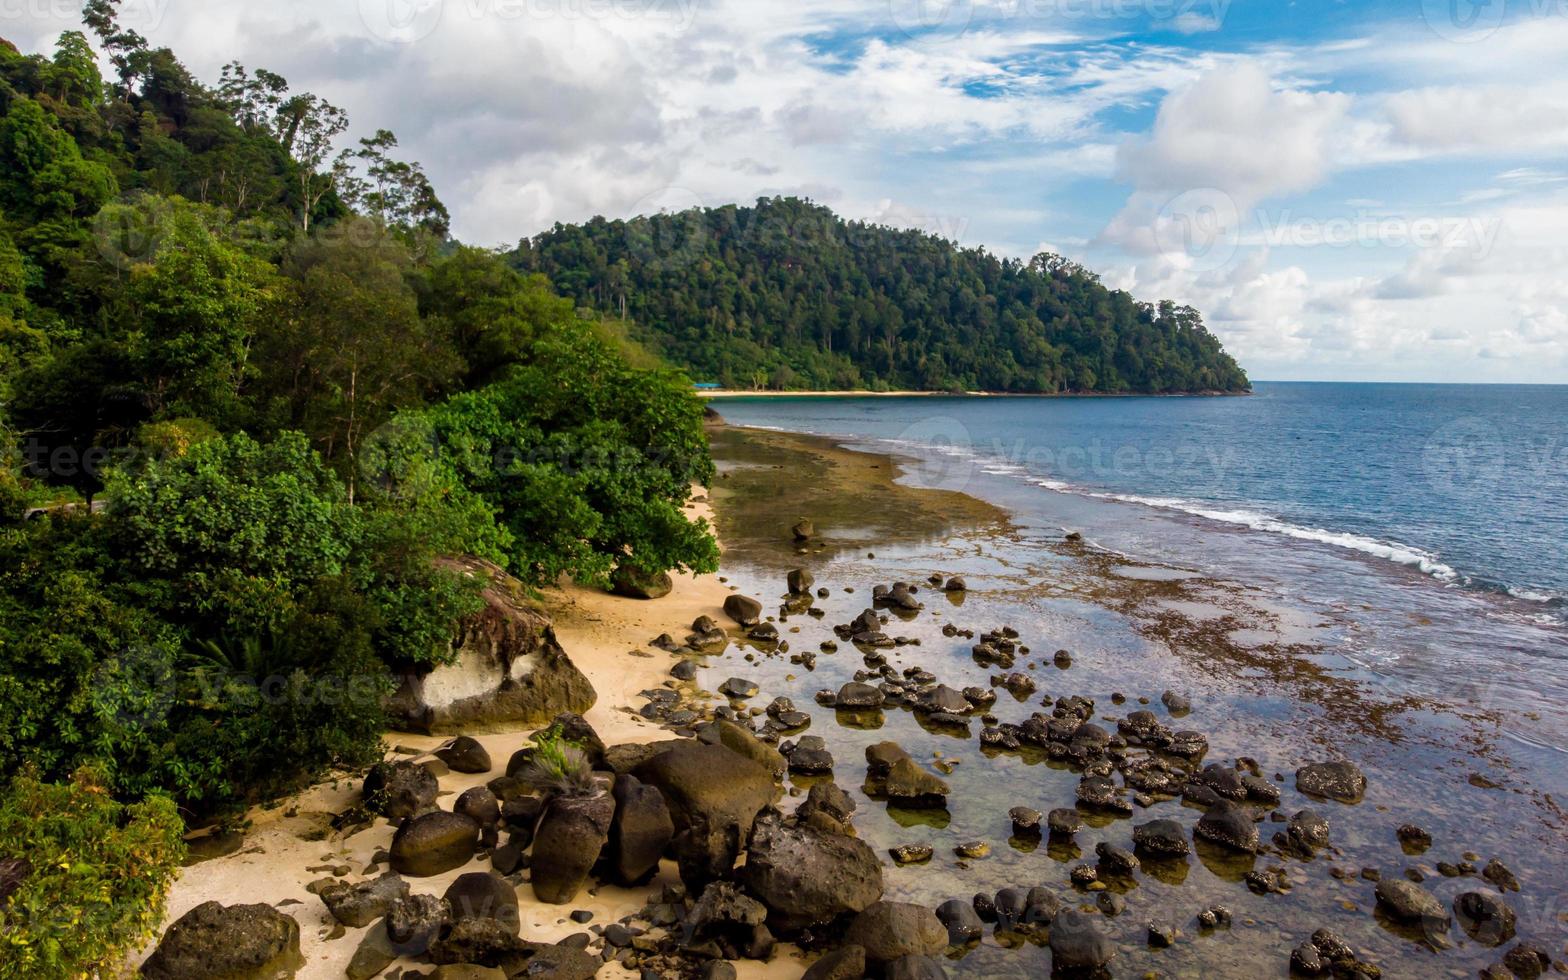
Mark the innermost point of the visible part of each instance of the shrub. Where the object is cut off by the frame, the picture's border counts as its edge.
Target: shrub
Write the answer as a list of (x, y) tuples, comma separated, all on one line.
[(82, 879)]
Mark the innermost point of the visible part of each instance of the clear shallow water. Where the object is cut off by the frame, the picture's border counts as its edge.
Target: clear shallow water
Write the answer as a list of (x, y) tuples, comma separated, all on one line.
[(1285, 693), (1421, 529)]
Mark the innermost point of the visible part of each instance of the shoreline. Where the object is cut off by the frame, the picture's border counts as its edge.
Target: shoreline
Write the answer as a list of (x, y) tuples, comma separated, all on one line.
[(730, 393)]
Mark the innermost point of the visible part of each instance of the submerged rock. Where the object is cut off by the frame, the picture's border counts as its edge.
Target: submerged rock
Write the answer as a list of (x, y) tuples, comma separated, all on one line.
[(1338, 781), (888, 931), (1077, 943)]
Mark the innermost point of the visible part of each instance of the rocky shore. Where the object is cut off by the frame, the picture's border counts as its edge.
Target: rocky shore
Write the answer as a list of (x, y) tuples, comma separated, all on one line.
[(811, 767)]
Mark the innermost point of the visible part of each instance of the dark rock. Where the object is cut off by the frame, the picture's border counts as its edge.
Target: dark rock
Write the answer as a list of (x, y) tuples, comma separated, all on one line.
[(484, 895), (685, 670), (743, 609), (807, 877), (1484, 917), (911, 853), (764, 633), (1413, 839), (1307, 829), (1527, 961), (572, 832), (1078, 944), (1407, 902), (1176, 704), (634, 583), (358, 905), (714, 794), (236, 942), (1161, 838), (480, 804), (800, 581), (963, 924), (1026, 821), (891, 930), (738, 688), (1116, 860), (857, 695), (803, 530), (1339, 781), (465, 754), (830, 800), (723, 907), (1162, 935), (640, 832), (1501, 878), (399, 789), (374, 954), (434, 842), (737, 739), (956, 584), (844, 963), (1230, 826), (415, 922)]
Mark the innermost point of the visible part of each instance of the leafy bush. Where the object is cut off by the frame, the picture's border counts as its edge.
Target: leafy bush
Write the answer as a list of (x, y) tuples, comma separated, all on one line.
[(82, 879)]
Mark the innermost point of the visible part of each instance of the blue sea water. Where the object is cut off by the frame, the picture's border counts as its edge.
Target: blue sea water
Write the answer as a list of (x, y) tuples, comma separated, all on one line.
[(1431, 520)]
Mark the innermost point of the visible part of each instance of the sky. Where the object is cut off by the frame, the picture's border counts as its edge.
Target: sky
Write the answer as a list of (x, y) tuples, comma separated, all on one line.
[(1374, 190)]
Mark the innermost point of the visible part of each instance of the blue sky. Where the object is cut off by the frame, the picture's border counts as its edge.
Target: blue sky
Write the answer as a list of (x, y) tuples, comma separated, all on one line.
[(1371, 191)]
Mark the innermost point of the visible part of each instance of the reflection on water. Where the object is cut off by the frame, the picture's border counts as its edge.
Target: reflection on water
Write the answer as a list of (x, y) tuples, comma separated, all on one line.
[(1266, 681)]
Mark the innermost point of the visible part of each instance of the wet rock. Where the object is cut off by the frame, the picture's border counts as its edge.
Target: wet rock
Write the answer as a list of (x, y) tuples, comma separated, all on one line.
[(1501, 878), (358, 905), (1116, 860), (242, 942), (963, 924), (891, 930), (800, 581), (1407, 902), (1078, 944), (399, 789), (829, 800), (944, 699), (1100, 792), (856, 695), (1228, 825), (1342, 782), (433, 843), (1484, 917), (685, 670), (1527, 961), (844, 963), (484, 895), (1177, 704), (910, 786), (807, 877), (465, 754), (1162, 935), (974, 850), (956, 584), (571, 834), (714, 795), (1413, 839), (1064, 822), (764, 633), (1026, 821), (1161, 838), (742, 742), (640, 831), (911, 853), (803, 530), (1110, 903), (810, 757), (738, 688), (1306, 959), (1306, 831), (881, 757), (743, 609), (480, 804)]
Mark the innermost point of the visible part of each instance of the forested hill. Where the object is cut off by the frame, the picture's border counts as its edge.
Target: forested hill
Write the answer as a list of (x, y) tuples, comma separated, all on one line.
[(788, 295)]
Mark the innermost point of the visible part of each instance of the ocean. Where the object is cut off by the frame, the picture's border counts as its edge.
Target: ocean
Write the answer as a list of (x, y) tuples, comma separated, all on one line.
[(1422, 528)]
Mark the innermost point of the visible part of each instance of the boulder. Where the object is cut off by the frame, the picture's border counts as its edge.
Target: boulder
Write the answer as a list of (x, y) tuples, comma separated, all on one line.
[(509, 671), (484, 895), (465, 754), (374, 954), (359, 904), (714, 795), (634, 583), (844, 963), (962, 922), (399, 789), (435, 842), (414, 922), (856, 695), (743, 609), (891, 930), (1161, 838), (571, 833), (1078, 944), (1230, 826), (640, 832), (1307, 830), (1338, 781), (739, 740), (234, 942), (829, 800), (909, 785), (800, 581), (481, 804), (1485, 917), (808, 877), (1407, 902)]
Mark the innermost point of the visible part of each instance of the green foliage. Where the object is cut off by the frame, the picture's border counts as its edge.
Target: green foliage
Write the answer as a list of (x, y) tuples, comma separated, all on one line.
[(557, 765), (587, 461), (787, 295), (90, 876)]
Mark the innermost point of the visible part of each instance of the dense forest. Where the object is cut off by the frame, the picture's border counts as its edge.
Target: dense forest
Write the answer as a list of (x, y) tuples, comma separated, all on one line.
[(250, 392), (787, 295)]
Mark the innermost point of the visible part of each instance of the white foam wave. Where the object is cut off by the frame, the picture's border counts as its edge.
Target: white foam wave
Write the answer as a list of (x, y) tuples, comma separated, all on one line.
[(1401, 554)]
